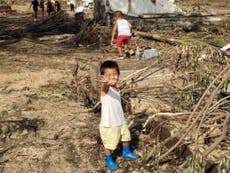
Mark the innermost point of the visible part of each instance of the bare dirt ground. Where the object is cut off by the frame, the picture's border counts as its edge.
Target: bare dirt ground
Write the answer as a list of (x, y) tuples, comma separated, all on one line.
[(34, 79), (43, 127), (34, 86)]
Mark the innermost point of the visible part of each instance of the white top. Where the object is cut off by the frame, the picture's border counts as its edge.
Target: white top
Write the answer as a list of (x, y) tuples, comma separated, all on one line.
[(111, 110), (123, 27)]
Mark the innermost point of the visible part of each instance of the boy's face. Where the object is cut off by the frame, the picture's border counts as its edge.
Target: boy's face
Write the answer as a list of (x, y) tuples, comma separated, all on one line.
[(111, 76)]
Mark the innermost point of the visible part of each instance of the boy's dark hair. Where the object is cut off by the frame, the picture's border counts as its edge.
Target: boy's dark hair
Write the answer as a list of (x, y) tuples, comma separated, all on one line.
[(118, 14), (109, 64)]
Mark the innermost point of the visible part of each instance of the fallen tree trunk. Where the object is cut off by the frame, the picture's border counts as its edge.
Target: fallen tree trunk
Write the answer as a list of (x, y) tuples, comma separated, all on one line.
[(52, 23), (171, 41), (156, 37)]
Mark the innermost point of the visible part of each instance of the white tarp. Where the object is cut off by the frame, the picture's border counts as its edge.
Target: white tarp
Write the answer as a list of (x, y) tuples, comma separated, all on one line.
[(139, 7), (86, 2)]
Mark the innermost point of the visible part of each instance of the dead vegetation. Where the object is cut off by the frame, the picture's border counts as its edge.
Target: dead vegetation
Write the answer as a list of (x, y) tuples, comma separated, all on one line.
[(4, 7), (13, 30), (185, 119)]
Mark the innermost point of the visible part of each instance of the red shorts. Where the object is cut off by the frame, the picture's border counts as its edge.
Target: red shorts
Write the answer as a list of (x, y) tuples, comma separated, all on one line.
[(122, 39)]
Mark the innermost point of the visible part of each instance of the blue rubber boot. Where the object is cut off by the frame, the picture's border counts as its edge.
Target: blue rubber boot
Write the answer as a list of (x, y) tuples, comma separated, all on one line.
[(128, 154), (110, 163)]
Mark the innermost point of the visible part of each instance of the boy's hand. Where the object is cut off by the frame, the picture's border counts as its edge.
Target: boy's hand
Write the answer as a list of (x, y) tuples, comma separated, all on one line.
[(105, 85), (107, 82), (112, 42), (104, 80)]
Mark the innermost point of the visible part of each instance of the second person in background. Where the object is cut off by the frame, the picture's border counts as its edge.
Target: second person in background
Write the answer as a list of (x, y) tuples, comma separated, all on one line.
[(123, 28), (49, 7)]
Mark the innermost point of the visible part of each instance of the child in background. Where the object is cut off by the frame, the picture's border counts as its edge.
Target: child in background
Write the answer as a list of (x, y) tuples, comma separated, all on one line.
[(113, 126), (49, 7), (35, 4), (71, 6), (42, 6), (123, 27), (57, 6)]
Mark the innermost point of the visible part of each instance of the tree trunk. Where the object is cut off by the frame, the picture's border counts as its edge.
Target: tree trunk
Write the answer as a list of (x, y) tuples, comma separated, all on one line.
[(129, 6), (99, 10)]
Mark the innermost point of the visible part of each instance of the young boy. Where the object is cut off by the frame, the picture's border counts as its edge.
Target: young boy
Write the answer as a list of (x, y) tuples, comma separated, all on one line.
[(123, 27), (113, 126)]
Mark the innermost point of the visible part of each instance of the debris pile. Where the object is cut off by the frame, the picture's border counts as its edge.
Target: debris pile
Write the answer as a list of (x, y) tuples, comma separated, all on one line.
[(56, 24), (178, 105), (4, 7), (93, 35)]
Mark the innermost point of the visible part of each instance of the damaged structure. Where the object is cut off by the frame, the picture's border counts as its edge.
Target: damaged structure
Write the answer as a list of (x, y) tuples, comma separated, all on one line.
[(133, 7)]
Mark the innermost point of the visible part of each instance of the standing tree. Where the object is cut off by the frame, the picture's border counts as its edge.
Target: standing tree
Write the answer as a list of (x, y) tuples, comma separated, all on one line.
[(100, 10)]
